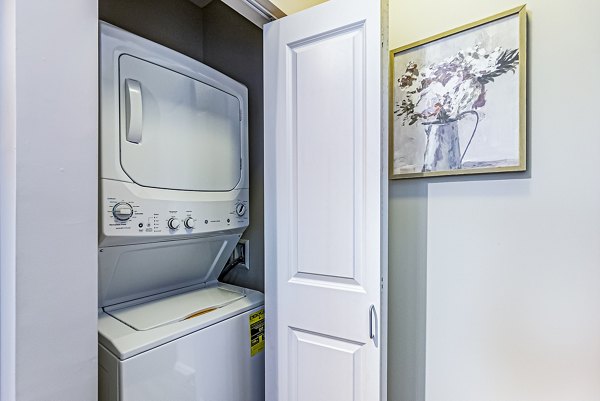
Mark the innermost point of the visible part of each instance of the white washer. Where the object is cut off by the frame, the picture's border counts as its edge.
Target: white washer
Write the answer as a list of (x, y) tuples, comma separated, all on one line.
[(173, 205), (194, 345)]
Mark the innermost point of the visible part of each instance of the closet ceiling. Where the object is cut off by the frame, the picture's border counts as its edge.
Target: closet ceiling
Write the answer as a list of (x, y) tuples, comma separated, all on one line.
[(292, 6)]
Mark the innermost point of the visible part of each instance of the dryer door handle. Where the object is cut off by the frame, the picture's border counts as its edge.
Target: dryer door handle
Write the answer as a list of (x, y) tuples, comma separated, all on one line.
[(133, 103)]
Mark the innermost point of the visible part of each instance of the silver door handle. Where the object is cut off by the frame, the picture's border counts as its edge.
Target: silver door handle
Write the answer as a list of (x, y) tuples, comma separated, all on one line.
[(133, 103), (372, 320)]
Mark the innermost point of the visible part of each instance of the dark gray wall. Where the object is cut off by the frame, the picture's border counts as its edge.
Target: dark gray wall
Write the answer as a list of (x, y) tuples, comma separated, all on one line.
[(176, 24), (233, 45), (224, 40)]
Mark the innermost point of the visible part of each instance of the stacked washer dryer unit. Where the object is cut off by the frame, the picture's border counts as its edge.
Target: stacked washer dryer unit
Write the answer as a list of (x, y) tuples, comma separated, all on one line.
[(173, 205)]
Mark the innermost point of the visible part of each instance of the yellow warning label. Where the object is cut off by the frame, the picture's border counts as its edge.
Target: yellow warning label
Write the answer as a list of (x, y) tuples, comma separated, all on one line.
[(257, 332)]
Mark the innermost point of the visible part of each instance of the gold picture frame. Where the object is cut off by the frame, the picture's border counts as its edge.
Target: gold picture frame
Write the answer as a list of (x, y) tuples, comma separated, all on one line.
[(457, 94)]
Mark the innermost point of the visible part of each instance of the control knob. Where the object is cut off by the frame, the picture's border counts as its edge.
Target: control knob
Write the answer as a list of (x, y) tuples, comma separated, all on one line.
[(122, 211), (240, 209), (173, 223), (190, 223)]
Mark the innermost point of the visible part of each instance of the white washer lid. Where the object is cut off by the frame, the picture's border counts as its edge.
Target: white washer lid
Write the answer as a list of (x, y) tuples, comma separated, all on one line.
[(160, 312), (130, 272)]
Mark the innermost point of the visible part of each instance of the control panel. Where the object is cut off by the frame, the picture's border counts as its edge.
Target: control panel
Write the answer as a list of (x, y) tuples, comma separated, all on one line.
[(126, 215)]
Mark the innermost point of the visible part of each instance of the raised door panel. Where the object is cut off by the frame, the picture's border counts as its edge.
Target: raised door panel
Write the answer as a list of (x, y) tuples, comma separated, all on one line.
[(323, 368), (327, 163)]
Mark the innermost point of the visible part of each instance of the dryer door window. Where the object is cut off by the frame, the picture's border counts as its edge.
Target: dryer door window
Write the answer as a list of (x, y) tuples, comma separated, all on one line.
[(177, 132)]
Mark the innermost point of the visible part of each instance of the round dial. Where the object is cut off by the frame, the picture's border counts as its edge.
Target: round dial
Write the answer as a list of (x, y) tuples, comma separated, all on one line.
[(173, 223), (189, 223), (240, 209), (122, 211)]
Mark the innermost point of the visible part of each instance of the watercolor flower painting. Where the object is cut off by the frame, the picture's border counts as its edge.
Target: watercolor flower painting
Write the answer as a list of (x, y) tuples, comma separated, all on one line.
[(457, 104), (444, 90)]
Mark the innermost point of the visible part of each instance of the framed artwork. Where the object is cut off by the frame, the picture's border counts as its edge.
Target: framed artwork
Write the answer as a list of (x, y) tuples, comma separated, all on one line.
[(457, 100)]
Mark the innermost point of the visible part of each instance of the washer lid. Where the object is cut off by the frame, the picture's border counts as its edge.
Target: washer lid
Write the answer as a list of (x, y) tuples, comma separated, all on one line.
[(160, 312), (130, 272), (177, 132)]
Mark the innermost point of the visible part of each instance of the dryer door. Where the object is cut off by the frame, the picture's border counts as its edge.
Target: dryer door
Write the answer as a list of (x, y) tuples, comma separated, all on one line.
[(177, 132)]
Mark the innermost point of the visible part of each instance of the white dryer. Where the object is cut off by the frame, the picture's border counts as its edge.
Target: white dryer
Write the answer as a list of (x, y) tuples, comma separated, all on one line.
[(173, 205)]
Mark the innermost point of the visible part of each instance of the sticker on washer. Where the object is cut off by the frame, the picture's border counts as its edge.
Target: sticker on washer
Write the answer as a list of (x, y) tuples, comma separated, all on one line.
[(257, 332)]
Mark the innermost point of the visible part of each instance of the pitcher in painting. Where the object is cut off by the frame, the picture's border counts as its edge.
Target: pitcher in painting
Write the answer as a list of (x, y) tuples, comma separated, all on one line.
[(441, 94)]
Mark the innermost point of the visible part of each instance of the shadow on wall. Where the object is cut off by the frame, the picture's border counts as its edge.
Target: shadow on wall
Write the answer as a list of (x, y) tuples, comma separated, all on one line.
[(407, 289)]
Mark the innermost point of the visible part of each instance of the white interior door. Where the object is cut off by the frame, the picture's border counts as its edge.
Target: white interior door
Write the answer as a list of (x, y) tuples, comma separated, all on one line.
[(324, 203)]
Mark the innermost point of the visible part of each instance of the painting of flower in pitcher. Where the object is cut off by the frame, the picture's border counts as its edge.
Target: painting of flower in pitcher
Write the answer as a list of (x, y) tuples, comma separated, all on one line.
[(457, 100)]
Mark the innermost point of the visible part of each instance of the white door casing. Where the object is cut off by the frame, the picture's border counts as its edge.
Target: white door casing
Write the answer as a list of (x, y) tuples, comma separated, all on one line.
[(324, 203)]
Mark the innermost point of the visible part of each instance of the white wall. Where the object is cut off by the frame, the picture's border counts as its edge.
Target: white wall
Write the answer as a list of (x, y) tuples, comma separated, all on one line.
[(48, 198), (511, 262)]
